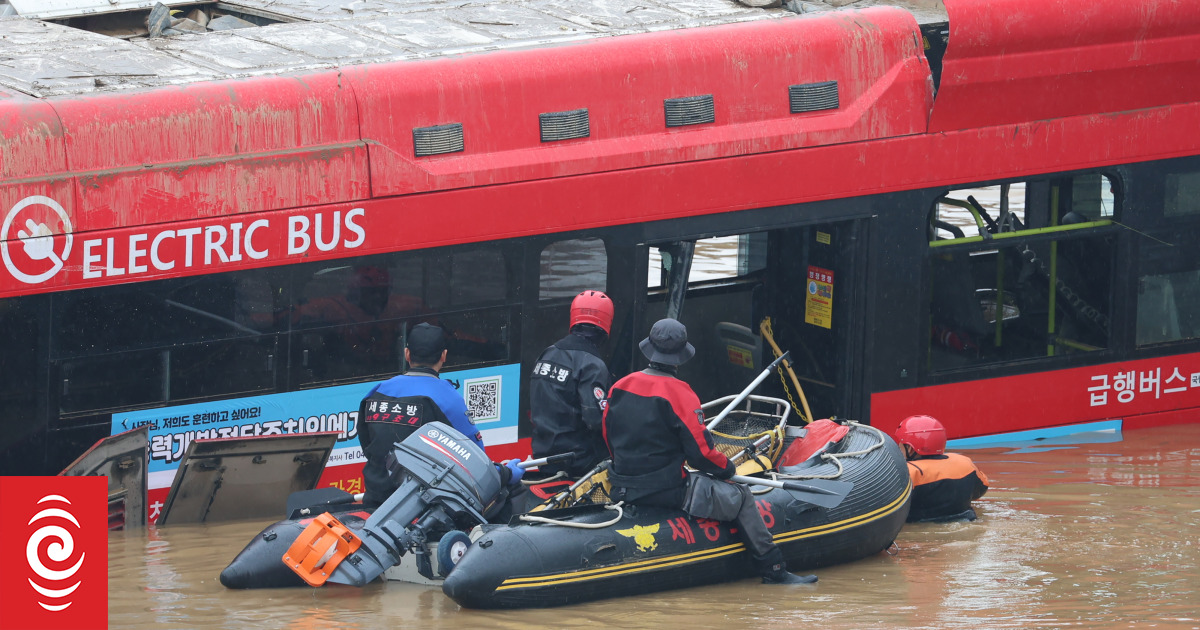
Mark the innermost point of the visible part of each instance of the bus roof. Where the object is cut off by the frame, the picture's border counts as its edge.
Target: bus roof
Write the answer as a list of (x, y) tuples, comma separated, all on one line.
[(45, 55)]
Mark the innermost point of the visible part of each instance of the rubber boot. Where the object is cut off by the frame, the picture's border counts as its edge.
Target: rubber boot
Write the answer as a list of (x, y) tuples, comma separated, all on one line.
[(774, 570)]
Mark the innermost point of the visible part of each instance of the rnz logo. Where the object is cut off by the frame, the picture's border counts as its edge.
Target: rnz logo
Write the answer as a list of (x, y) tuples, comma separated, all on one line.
[(59, 549), (61, 526)]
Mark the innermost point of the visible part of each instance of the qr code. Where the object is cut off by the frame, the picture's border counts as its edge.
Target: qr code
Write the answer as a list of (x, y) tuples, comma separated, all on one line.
[(483, 399)]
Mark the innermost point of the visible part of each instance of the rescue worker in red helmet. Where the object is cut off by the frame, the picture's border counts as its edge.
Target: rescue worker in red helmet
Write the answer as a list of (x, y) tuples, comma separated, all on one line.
[(944, 484), (568, 389), (653, 425)]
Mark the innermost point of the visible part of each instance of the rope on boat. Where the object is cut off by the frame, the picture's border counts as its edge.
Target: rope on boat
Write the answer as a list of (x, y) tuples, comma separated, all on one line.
[(550, 521), (562, 474), (835, 458)]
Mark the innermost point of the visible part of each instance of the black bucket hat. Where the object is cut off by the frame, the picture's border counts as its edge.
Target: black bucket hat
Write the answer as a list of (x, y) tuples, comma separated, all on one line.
[(667, 343)]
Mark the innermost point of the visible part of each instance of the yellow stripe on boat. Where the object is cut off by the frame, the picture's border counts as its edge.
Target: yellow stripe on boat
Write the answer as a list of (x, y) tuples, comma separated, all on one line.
[(655, 564), (847, 523)]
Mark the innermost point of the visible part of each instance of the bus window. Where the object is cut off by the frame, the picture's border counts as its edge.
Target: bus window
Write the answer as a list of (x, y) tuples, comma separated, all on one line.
[(974, 211), (1168, 307), (22, 370), (1168, 297), (477, 315), (1092, 199), (570, 266), (717, 305), (152, 342), (350, 316), (1021, 270), (717, 258), (1182, 194), (565, 268), (477, 276)]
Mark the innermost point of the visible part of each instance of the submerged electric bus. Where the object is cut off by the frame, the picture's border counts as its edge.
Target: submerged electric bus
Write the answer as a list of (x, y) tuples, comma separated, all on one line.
[(216, 233)]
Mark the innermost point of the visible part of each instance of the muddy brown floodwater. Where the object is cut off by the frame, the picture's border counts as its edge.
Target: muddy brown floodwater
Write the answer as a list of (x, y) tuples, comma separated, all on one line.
[(1099, 535)]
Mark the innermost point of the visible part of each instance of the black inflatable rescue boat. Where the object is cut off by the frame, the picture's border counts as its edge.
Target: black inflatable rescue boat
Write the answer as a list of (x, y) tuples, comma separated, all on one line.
[(597, 551)]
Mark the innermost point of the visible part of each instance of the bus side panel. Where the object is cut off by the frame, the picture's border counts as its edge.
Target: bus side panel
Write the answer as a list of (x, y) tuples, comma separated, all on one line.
[(1137, 55), (610, 198), (32, 138), (1160, 419), (213, 149), (883, 90), (1145, 392), (31, 145)]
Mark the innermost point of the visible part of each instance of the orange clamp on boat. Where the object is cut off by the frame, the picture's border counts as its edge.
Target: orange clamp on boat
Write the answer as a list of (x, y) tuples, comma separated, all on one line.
[(320, 548)]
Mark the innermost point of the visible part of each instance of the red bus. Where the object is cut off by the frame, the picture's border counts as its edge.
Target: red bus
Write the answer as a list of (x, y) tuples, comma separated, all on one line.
[(988, 217)]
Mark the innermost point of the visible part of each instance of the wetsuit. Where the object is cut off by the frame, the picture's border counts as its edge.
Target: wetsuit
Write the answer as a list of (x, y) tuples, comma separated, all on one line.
[(944, 486), (652, 426), (567, 395), (392, 410)]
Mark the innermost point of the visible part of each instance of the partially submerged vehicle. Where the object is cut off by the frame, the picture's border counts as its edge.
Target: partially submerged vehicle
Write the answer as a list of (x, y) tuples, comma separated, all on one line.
[(905, 195)]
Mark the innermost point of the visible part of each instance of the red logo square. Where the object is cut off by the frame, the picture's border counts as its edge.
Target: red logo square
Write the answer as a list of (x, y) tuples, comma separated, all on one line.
[(57, 577)]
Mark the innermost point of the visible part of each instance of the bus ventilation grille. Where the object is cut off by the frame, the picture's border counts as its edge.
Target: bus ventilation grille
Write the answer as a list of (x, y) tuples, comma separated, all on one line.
[(812, 97), (438, 139), (690, 110), (565, 125)]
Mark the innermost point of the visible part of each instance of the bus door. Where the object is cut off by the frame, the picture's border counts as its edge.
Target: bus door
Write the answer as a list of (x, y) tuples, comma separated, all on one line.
[(811, 303), (746, 294), (710, 285)]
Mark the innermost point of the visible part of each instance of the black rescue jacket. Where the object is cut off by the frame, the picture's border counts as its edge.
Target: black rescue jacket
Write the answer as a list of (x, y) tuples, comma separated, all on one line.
[(567, 395), (653, 425)]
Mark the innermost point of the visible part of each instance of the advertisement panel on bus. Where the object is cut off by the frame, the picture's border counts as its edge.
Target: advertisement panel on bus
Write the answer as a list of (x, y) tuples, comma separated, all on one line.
[(491, 395)]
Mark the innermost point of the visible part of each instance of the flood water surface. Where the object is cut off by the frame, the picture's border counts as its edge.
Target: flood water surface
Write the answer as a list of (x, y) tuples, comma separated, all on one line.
[(1100, 535)]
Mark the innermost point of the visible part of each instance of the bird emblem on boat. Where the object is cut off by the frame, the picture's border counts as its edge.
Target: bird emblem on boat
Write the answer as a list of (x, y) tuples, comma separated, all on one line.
[(643, 535)]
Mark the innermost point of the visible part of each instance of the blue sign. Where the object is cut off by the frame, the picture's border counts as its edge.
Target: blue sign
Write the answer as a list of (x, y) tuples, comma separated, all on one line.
[(491, 395)]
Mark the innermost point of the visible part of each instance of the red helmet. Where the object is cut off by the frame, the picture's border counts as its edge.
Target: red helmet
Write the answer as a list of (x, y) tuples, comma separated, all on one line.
[(592, 307), (925, 434)]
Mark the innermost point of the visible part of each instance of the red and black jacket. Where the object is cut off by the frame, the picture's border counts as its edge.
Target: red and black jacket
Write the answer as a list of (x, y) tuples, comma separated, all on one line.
[(654, 424), (944, 486)]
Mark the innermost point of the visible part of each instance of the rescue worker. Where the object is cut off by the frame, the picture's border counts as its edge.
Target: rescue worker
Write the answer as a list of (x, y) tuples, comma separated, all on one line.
[(944, 484), (654, 424), (393, 409), (569, 387)]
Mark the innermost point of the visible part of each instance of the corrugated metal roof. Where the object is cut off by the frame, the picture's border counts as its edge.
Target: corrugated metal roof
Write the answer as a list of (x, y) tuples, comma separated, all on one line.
[(45, 58)]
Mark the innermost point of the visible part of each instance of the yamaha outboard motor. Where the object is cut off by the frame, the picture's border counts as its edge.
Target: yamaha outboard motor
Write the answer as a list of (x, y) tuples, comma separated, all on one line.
[(444, 478)]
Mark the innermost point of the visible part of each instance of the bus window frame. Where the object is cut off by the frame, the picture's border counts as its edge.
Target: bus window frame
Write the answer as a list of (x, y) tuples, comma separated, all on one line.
[(1113, 227), (1155, 228)]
